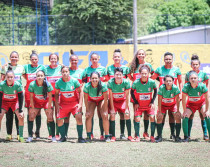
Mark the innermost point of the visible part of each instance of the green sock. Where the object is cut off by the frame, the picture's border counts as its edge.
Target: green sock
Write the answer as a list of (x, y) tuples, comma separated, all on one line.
[(62, 131), (21, 131), (204, 127), (38, 123), (208, 124), (52, 128), (30, 128), (128, 125), (146, 125), (89, 135), (106, 136), (112, 128), (178, 129), (79, 130), (48, 128), (57, 130), (92, 125), (190, 123), (185, 126), (66, 128), (159, 129), (101, 126), (152, 128), (172, 127), (122, 126), (136, 128)]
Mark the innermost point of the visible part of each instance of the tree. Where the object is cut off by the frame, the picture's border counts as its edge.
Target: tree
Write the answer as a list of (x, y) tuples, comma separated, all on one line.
[(92, 21)]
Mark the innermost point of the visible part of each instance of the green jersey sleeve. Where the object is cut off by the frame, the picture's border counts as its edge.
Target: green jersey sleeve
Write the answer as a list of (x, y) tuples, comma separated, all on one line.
[(104, 73), (154, 85), (178, 71), (49, 87), (185, 88), (134, 85), (160, 91), (109, 84), (206, 77), (57, 84), (31, 87), (127, 84), (104, 87), (76, 83), (157, 71), (19, 87), (204, 88), (176, 90), (86, 90)]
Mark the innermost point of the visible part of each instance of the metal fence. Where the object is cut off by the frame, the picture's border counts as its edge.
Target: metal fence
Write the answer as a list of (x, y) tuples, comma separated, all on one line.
[(152, 29)]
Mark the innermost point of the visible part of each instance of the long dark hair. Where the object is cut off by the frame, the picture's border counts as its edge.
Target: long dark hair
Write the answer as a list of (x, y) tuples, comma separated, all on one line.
[(99, 87), (45, 85)]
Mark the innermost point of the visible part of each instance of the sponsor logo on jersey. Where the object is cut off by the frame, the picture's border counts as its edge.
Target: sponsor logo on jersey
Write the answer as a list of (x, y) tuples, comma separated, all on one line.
[(53, 80), (144, 97), (117, 96), (68, 95), (32, 77), (9, 96), (168, 100), (17, 77), (194, 99), (40, 97)]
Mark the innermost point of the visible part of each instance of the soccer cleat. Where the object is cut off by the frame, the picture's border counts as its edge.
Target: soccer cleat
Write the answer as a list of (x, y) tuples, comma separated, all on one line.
[(8, 138), (49, 137), (92, 137), (131, 138), (102, 137), (62, 140), (18, 137), (178, 139), (186, 139), (107, 139), (88, 140), (152, 139), (137, 139), (37, 136), (158, 139), (113, 139), (122, 137), (205, 137), (57, 137), (81, 140), (53, 139), (172, 136), (30, 139), (146, 136), (21, 139), (189, 137)]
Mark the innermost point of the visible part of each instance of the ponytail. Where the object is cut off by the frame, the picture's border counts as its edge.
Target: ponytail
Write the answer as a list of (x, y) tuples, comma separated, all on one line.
[(45, 85)]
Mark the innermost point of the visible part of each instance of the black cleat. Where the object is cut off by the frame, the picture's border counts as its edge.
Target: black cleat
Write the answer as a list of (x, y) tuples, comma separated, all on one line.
[(81, 140), (178, 139), (173, 137), (186, 139), (107, 139), (62, 140), (205, 137), (158, 139), (88, 140)]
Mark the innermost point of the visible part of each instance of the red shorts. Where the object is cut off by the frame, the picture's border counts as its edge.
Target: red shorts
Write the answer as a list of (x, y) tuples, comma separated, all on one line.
[(95, 101), (139, 112), (13, 105), (118, 106), (194, 107), (66, 110), (27, 99), (172, 108), (39, 105)]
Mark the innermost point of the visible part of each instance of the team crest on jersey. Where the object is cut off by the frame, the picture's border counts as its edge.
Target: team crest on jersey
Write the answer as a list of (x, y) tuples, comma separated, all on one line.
[(172, 95), (72, 87), (123, 89), (149, 89), (199, 93), (15, 91)]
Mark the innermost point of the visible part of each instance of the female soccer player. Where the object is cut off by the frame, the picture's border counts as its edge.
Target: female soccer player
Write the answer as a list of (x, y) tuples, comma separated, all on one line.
[(18, 71), (71, 98), (168, 99), (161, 72), (94, 58), (197, 94), (118, 101), (138, 60), (202, 77), (11, 96), (141, 93), (30, 75), (40, 97), (53, 74), (96, 95), (117, 57)]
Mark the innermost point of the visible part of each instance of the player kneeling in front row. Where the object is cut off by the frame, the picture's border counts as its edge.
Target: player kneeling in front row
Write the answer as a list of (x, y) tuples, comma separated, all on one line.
[(40, 97), (141, 92), (118, 101), (9, 90), (197, 93), (71, 98), (168, 99)]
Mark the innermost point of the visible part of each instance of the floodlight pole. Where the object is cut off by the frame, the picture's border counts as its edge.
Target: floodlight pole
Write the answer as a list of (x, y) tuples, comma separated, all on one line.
[(135, 26)]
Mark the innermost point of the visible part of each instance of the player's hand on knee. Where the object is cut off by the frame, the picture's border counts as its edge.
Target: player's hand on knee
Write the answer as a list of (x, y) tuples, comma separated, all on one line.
[(207, 114), (178, 115), (21, 115), (159, 115)]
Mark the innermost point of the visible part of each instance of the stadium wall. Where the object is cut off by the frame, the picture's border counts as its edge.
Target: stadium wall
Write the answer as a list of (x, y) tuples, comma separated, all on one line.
[(182, 54)]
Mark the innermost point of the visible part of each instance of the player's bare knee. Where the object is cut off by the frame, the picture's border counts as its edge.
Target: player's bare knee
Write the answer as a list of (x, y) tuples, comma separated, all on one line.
[(137, 119)]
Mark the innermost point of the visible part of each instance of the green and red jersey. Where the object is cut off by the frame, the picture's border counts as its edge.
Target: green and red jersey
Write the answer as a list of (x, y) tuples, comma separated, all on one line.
[(168, 96), (67, 89), (202, 77), (38, 90), (143, 92), (100, 69), (53, 74), (111, 68), (31, 73), (10, 92), (136, 74), (118, 90), (92, 91), (77, 74), (162, 72), (195, 95), (18, 71)]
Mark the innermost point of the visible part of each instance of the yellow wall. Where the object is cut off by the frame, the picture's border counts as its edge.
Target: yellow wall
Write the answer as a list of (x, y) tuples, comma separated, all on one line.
[(182, 54)]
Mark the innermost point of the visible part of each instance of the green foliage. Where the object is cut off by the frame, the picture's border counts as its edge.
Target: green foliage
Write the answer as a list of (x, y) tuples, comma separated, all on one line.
[(93, 21)]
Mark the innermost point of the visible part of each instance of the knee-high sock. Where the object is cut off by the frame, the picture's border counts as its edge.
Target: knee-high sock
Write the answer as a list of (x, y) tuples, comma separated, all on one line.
[(185, 126), (204, 127), (146, 125), (190, 123), (9, 121), (122, 126), (128, 125), (178, 129), (136, 128)]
